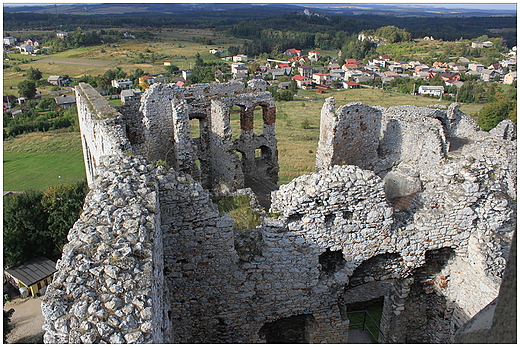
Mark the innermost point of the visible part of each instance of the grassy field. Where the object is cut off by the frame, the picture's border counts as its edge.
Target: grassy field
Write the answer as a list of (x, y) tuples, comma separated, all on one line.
[(38, 160)]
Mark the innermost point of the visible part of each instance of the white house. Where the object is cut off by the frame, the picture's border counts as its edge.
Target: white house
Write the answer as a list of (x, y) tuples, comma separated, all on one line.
[(124, 83), (431, 90), (314, 55), (236, 66), (240, 57), (9, 40), (216, 50)]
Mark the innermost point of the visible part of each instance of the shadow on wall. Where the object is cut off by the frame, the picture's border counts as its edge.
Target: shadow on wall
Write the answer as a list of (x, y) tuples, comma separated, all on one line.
[(414, 309)]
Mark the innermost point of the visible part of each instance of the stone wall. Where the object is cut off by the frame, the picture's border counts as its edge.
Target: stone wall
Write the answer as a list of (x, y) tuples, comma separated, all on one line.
[(102, 129), (109, 282), (152, 260)]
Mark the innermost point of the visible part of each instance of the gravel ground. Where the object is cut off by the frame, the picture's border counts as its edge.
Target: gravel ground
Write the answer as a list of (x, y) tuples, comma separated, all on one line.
[(27, 320)]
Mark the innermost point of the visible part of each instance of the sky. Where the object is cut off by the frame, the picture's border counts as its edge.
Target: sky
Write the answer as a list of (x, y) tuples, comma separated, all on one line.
[(442, 3)]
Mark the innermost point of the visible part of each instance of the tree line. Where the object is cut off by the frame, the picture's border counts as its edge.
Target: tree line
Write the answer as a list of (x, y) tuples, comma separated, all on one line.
[(248, 24)]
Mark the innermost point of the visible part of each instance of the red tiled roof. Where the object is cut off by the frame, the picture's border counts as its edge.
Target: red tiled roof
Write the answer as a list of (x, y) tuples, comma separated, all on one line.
[(350, 61), (299, 77)]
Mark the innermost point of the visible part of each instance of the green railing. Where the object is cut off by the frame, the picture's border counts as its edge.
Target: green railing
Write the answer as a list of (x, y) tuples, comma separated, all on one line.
[(363, 320)]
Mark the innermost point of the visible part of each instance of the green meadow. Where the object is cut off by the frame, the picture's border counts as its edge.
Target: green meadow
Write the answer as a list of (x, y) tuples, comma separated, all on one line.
[(36, 161)]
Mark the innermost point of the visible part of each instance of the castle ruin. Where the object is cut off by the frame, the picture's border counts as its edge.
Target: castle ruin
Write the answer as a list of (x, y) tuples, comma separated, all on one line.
[(411, 206)]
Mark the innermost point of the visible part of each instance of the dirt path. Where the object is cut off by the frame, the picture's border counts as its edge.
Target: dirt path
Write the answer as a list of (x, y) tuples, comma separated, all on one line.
[(27, 320), (75, 62)]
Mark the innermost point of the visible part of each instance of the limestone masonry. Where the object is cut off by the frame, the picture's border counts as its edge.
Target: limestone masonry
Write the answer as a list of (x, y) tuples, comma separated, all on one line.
[(414, 207)]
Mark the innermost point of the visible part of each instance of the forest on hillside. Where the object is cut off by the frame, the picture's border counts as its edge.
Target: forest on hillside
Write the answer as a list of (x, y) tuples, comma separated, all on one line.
[(247, 24)]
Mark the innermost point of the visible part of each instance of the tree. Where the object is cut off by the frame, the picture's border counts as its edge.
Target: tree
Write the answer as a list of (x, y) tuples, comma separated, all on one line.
[(172, 68), (233, 50), (34, 74), (25, 223), (198, 60), (63, 204), (495, 112), (27, 89)]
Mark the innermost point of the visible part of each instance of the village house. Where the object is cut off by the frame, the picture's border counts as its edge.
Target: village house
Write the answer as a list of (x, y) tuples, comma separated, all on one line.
[(449, 75), (397, 68), (31, 277), (130, 96), (302, 81), (320, 78), (487, 75), (283, 85), (296, 61), (123, 83), (347, 67), (457, 67), (350, 85), (476, 66), (463, 60), (508, 63), (146, 80), (477, 45), (391, 74), (9, 40), (352, 74), (314, 55), (26, 49), (61, 35), (305, 70), (236, 66), (32, 42), (276, 73), (239, 57), (216, 50), (241, 72), (65, 101), (431, 90), (294, 52), (510, 78), (286, 68), (57, 80), (333, 65)]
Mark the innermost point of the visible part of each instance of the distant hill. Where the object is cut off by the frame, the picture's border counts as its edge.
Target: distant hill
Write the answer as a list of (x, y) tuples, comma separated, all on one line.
[(258, 10)]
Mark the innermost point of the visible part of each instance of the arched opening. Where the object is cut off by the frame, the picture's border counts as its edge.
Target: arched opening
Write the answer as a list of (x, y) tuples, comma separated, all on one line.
[(258, 120), (263, 160), (331, 261), (235, 114), (294, 329), (195, 128)]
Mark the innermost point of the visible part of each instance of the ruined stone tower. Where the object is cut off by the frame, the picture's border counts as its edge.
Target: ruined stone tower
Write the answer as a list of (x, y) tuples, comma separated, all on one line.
[(411, 206)]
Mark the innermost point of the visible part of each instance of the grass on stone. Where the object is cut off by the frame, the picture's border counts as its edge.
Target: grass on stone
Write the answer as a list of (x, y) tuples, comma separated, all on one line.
[(238, 207)]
